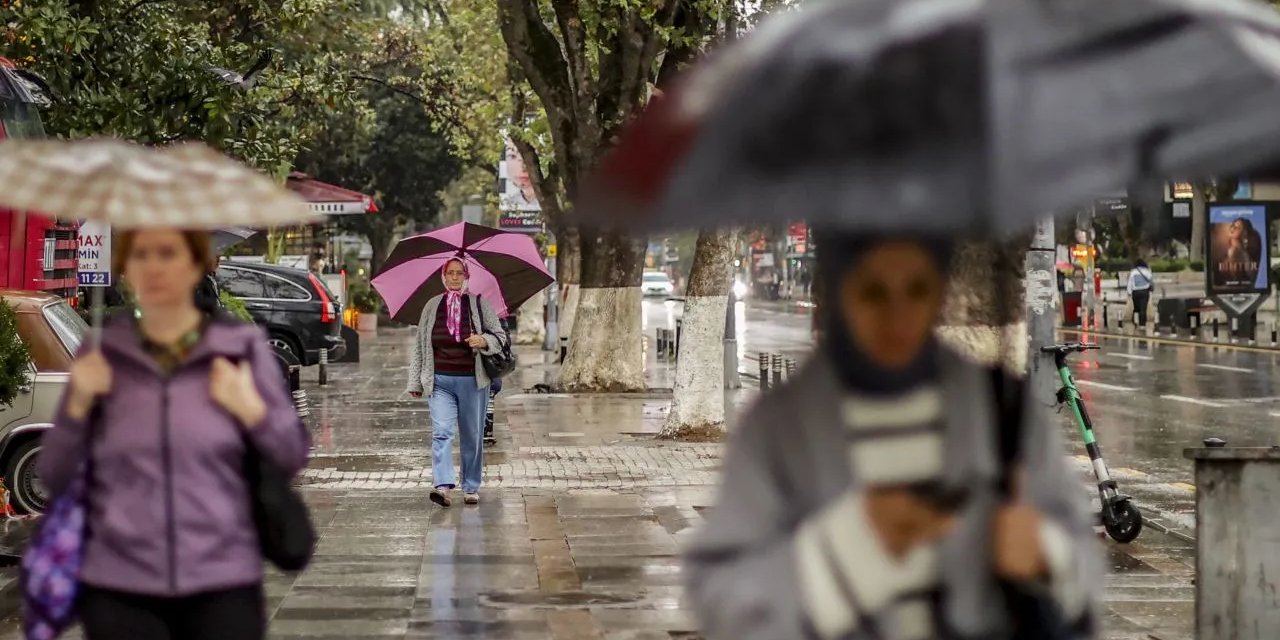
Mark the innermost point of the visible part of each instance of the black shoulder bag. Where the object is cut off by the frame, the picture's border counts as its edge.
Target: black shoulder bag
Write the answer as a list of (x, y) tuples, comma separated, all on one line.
[(499, 364), (1034, 616), (285, 533)]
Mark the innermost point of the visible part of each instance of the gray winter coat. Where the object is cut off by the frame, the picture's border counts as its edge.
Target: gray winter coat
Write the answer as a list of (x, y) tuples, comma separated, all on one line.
[(422, 362), (786, 469)]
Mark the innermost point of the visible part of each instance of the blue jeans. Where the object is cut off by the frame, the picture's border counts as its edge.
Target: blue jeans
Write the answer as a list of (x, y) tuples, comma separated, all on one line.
[(457, 406)]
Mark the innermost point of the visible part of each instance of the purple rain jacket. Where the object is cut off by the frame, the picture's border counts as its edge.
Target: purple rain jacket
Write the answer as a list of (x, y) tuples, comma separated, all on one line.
[(169, 507)]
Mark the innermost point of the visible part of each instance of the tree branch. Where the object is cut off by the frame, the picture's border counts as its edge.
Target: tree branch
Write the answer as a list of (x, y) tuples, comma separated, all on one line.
[(569, 19), (531, 44)]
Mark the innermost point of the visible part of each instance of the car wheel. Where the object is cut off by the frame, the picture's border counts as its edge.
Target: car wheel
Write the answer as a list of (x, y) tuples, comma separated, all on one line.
[(27, 494), (287, 345)]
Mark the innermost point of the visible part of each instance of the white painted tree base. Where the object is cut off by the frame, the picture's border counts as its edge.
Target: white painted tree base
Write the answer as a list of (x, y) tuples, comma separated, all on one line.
[(532, 328), (567, 313), (985, 345), (698, 400), (606, 352)]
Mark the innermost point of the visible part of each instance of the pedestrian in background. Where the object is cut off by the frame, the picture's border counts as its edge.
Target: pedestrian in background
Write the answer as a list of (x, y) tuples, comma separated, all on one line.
[(495, 388), (877, 513), (454, 330), (1140, 285), (165, 413)]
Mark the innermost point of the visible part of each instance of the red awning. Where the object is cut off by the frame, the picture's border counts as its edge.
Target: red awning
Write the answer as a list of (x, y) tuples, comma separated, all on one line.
[(327, 198)]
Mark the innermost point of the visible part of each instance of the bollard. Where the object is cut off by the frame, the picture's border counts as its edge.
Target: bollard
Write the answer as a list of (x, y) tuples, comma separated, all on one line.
[(673, 347), (1215, 329), (1237, 568), (324, 367), (1273, 333), (1235, 330), (1106, 317), (1195, 328), (660, 340), (791, 368), (777, 369), (764, 371), (564, 348)]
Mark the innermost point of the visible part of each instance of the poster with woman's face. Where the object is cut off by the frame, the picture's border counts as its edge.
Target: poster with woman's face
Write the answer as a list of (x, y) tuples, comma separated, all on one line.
[(1237, 257)]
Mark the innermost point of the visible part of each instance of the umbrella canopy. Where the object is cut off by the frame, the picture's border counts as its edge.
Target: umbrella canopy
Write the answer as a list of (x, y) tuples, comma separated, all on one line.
[(127, 185), (224, 239), (946, 115), (506, 269)]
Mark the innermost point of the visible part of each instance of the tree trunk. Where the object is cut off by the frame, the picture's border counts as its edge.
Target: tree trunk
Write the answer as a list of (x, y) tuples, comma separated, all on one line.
[(380, 240), (606, 352), (531, 327), (698, 402), (1199, 202), (983, 317)]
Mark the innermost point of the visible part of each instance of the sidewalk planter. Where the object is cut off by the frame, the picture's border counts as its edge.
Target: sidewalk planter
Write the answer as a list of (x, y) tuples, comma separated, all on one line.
[(367, 323)]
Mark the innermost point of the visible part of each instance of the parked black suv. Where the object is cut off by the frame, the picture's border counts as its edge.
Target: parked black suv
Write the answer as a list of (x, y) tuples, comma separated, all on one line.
[(301, 315)]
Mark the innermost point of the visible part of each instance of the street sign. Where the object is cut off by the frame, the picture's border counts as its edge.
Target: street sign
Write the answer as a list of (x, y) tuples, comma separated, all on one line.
[(551, 251), (93, 251)]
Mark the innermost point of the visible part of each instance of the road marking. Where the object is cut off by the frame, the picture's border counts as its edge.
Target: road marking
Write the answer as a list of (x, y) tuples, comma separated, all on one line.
[(1203, 403), (1131, 356), (566, 434), (1224, 367), (1189, 488), (1274, 414), (1103, 385)]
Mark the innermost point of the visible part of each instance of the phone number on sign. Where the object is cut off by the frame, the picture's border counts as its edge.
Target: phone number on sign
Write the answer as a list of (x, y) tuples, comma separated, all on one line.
[(93, 279)]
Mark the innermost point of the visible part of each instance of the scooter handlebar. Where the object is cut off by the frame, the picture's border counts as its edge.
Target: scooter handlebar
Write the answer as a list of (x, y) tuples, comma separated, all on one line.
[(1078, 347)]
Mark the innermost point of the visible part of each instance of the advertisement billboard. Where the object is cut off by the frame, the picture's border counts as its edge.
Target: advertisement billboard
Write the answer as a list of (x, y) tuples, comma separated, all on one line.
[(1236, 256), (517, 192)]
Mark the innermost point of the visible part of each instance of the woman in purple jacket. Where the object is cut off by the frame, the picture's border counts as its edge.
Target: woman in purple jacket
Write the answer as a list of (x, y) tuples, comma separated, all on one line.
[(165, 410)]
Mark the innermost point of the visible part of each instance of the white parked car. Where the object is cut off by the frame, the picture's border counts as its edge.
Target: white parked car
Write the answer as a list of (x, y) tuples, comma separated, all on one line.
[(656, 283)]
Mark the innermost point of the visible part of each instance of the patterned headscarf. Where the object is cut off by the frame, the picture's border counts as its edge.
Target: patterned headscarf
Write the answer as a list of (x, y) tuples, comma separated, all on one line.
[(453, 300)]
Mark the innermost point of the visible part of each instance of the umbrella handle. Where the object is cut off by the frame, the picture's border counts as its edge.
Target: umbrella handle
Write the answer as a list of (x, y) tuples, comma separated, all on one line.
[(96, 311)]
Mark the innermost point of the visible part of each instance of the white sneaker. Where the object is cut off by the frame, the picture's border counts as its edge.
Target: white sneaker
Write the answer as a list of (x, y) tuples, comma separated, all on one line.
[(471, 498)]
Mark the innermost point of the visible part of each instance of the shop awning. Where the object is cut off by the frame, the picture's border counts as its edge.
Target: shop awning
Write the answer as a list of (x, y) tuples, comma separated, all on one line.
[(329, 199)]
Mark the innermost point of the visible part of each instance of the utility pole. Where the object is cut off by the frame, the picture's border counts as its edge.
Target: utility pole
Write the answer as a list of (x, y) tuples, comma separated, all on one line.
[(1042, 308), (552, 340)]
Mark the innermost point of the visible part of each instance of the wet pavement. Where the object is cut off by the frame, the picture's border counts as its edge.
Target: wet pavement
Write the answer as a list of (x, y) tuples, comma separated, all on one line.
[(582, 513)]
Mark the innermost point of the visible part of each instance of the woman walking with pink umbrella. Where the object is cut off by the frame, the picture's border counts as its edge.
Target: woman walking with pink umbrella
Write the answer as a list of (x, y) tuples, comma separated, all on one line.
[(455, 283)]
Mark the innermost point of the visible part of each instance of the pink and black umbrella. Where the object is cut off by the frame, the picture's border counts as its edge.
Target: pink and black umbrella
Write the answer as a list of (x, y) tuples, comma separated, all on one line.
[(506, 269)]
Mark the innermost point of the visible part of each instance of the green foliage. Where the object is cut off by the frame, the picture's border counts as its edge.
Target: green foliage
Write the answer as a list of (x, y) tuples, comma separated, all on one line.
[(393, 146), (142, 70), (14, 357), (234, 306), (364, 299)]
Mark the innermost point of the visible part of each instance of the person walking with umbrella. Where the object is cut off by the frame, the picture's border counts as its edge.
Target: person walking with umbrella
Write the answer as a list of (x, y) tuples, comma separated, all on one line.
[(454, 330), (165, 411), (171, 455)]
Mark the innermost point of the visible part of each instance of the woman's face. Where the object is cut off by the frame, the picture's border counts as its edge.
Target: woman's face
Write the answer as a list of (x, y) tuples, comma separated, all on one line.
[(890, 302), (161, 269), (454, 275), (1236, 231)]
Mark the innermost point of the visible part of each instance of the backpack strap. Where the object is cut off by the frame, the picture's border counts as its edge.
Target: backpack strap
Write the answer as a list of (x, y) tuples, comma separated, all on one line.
[(1009, 394)]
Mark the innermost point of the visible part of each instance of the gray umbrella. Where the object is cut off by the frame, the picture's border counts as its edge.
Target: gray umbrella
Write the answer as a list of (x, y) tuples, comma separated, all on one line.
[(952, 114), (224, 239)]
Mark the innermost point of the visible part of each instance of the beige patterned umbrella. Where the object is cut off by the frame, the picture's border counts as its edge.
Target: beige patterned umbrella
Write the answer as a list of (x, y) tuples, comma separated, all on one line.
[(186, 185)]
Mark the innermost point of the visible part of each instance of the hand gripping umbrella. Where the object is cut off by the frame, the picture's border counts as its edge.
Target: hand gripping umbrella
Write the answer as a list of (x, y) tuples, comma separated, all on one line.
[(506, 269)]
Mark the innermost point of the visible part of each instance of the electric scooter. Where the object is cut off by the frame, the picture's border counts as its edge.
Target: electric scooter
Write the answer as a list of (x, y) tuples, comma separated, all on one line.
[(1122, 520)]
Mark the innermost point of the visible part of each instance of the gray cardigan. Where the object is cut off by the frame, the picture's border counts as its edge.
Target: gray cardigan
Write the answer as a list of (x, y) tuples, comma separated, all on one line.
[(422, 363), (786, 470)]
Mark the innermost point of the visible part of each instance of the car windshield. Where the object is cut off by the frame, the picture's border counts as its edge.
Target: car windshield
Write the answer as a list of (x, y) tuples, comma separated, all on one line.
[(71, 329), (656, 277)]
